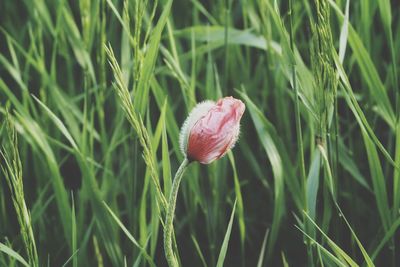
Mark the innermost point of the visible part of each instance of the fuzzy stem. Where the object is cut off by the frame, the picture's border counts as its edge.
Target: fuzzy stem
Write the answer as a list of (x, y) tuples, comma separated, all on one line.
[(168, 228)]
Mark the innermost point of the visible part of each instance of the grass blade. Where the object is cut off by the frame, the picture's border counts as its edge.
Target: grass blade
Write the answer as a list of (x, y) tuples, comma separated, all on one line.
[(224, 247), (13, 254)]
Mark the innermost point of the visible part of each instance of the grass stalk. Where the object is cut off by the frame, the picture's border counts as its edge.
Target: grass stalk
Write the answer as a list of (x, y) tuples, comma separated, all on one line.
[(299, 137)]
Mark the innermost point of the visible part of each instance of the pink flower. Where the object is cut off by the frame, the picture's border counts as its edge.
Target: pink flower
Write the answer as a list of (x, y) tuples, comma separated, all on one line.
[(211, 129)]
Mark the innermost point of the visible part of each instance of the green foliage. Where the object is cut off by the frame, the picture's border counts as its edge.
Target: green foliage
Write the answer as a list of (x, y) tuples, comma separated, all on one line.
[(12, 170), (96, 91)]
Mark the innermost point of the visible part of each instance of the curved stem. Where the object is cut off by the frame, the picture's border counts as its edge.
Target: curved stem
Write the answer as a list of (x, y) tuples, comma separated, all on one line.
[(168, 227)]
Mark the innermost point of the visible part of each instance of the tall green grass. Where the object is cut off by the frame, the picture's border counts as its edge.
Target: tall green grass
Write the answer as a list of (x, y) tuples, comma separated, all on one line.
[(96, 91)]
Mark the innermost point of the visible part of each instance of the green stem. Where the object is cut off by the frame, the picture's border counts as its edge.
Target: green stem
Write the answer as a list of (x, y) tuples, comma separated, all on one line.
[(297, 110), (303, 179), (168, 227)]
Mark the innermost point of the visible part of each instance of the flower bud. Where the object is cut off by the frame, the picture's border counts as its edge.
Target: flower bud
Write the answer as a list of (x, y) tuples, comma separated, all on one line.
[(211, 129)]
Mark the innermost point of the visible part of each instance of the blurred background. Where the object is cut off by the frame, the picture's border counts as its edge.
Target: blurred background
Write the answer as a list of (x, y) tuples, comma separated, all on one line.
[(96, 91)]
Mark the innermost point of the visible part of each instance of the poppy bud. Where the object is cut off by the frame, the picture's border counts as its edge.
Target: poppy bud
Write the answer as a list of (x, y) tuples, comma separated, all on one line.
[(211, 129)]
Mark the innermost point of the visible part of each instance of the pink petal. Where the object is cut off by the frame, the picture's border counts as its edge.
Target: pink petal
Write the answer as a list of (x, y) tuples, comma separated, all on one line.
[(216, 132)]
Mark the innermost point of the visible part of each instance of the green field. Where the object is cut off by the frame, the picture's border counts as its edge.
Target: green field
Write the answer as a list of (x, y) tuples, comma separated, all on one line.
[(93, 94)]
